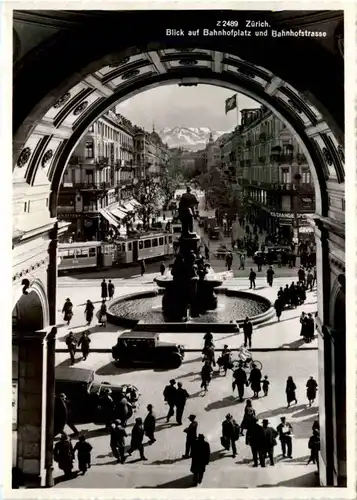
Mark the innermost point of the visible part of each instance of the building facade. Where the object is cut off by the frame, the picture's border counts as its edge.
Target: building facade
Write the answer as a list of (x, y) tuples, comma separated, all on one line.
[(98, 179), (273, 175), (151, 154)]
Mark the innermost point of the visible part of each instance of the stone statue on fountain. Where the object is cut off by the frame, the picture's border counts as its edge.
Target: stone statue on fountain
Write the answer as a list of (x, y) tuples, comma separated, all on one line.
[(188, 203)]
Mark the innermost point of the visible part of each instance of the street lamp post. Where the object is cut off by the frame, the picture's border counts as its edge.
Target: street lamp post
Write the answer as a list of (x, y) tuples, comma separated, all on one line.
[(297, 179)]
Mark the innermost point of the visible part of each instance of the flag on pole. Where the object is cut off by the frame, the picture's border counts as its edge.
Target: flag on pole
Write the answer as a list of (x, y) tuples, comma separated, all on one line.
[(231, 103)]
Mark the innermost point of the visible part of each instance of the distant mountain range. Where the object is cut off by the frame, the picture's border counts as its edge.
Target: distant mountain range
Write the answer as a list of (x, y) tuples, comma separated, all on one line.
[(191, 138)]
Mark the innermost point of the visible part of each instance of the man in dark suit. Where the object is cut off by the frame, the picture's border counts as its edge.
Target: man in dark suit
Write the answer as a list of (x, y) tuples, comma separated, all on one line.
[(269, 441), (285, 431)]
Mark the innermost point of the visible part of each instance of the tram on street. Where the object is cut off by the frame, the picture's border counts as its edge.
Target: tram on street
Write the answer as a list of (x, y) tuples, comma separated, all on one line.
[(102, 255), (147, 247), (85, 255)]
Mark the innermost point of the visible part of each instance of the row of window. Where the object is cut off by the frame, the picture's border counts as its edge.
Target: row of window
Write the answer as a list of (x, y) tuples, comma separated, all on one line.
[(155, 242)]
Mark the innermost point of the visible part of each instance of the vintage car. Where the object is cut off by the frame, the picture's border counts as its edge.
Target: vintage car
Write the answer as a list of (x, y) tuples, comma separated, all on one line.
[(146, 348), (270, 254), (214, 233), (85, 392)]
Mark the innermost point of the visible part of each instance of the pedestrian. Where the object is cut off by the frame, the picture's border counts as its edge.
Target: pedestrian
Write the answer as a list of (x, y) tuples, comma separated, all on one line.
[(142, 267), (137, 437), (314, 447), (311, 390), (206, 375), (314, 274), (66, 403), (71, 342), (63, 454), (103, 314), (269, 442), (201, 453), (248, 331), (310, 327), (230, 434), (124, 409), (162, 268), (252, 276), (117, 441), (209, 354), (239, 381), (84, 342), (150, 424), (111, 289), (106, 405), (265, 385), (181, 397), (278, 306), (249, 417), (206, 252), (309, 280), (88, 311), (229, 260), (241, 261), (255, 439), (68, 311), (104, 290), (224, 361), (270, 275), (255, 378), (285, 431), (191, 435), (290, 391), (83, 450), (208, 339), (301, 275), (170, 398)]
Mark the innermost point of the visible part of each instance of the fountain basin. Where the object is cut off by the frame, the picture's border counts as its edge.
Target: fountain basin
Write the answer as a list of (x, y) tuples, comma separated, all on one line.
[(142, 310)]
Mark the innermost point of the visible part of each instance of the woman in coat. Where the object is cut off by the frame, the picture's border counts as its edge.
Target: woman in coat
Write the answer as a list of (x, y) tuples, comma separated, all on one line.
[(311, 390), (68, 311), (103, 314), (278, 306), (249, 418), (63, 454), (206, 375), (84, 342), (290, 391), (200, 458), (89, 312)]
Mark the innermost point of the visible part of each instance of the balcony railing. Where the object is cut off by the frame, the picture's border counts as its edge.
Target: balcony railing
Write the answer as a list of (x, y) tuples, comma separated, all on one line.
[(79, 160), (92, 186), (102, 161)]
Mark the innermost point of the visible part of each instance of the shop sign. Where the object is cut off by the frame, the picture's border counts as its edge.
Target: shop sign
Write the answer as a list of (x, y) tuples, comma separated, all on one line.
[(287, 215)]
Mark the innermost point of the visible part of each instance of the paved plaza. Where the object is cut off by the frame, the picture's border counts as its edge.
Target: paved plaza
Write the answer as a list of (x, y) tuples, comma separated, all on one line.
[(277, 345)]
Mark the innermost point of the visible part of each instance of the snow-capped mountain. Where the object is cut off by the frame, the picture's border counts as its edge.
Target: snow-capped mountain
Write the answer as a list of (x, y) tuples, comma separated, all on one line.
[(191, 138)]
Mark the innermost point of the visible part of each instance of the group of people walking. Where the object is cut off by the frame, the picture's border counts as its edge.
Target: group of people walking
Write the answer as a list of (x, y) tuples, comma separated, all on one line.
[(290, 296)]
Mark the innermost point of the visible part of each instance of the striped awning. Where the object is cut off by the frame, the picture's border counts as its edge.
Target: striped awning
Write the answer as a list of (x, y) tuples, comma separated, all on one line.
[(118, 213), (109, 217)]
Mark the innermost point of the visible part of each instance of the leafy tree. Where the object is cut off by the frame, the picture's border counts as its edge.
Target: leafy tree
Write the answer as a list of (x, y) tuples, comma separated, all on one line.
[(170, 181), (149, 194)]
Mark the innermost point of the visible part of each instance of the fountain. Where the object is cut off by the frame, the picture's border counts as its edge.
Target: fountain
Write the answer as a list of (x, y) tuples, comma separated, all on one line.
[(190, 293)]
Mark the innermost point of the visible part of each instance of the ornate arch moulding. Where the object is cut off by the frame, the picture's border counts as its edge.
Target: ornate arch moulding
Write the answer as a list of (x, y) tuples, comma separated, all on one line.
[(255, 81)]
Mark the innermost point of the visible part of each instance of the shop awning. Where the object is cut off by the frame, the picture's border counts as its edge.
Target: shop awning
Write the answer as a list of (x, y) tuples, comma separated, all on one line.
[(118, 213), (109, 217), (130, 205)]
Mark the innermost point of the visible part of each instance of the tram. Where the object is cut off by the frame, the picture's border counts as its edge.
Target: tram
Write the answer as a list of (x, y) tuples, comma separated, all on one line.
[(101, 255), (85, 255), (147, 247)]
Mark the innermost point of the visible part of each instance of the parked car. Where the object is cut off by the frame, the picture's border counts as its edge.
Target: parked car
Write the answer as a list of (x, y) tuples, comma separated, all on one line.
[(85, 392), (214, 233), (146, 348)]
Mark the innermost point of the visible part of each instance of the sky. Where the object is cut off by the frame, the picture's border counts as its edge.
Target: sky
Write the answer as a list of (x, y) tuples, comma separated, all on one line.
[(174, 106)]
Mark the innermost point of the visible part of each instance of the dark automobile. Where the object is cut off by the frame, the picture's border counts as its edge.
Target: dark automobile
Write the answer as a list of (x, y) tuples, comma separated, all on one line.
[(85, 393), (214, 233), (270, 255), (146, 348)]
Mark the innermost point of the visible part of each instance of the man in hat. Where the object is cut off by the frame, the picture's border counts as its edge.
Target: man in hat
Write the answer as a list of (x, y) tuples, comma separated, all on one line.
[(269, 441), (181, 397), (230, 432), (117, 441), (137, 437), (191, 435), (170, 398)]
